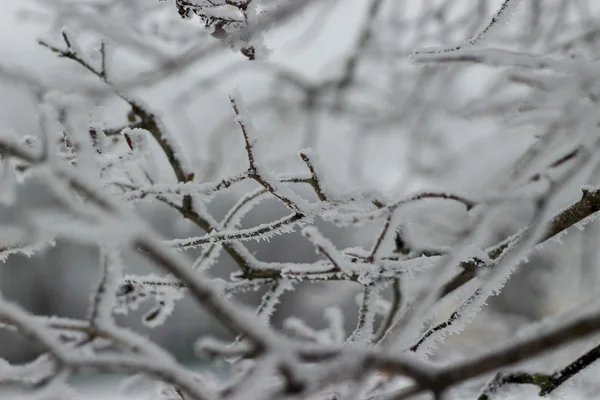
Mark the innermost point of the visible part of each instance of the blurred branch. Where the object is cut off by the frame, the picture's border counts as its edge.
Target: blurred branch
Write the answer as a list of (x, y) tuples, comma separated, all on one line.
[(196, 53), (35, 332), (349, 70)]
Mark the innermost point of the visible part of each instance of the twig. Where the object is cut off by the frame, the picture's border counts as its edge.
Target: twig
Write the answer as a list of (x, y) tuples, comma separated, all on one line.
[(102, 301), (447, 323), (253, 169), (393, 311), (364, 324), (546, 382), (383, 211), (380, 237), (315, 182), (273, 228)]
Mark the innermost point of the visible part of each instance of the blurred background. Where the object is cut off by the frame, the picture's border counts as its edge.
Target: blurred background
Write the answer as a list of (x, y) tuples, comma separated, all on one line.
[(338, 80)]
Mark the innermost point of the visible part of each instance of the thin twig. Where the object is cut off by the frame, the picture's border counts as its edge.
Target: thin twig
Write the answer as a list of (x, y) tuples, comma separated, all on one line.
[(393, 311)]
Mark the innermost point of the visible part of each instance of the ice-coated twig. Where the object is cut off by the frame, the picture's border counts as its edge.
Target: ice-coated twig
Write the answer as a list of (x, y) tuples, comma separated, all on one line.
[(350, 218), (25, 247), (326, 247), (261, 232), (270, 300), (231, 220), (103, 302), (496, 58), (366, 315), (500, 18), (392, 312), (185, 188), (239, 210), (381, 237), (447, 323), (308, 156), (255, 170)]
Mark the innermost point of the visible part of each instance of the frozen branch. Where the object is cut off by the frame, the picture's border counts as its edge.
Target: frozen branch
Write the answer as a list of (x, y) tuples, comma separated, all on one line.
[(146, 119), (546, 382), (103, 301), (255, 171)]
